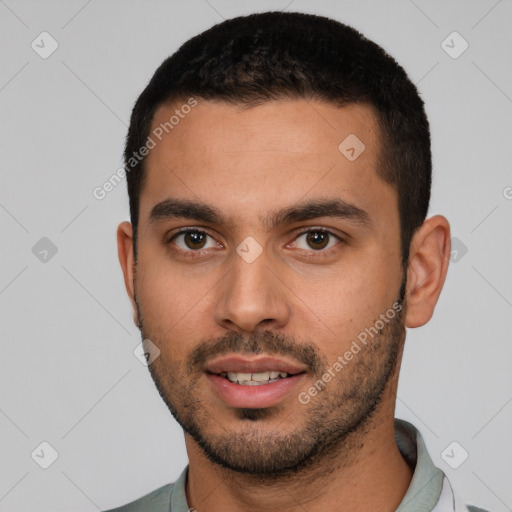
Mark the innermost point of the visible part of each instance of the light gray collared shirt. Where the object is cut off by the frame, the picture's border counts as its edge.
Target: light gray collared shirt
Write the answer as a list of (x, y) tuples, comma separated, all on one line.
[(429, 490)]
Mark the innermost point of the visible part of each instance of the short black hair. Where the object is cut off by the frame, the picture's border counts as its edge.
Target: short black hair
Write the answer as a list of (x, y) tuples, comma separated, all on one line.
[(261, 57)]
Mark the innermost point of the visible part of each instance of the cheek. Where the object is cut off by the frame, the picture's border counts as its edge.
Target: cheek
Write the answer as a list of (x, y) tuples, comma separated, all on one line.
[(337, 308), (163, 287), (172, 303)]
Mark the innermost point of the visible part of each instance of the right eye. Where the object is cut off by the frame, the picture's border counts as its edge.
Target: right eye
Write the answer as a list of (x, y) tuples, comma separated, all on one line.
[(192, 240)]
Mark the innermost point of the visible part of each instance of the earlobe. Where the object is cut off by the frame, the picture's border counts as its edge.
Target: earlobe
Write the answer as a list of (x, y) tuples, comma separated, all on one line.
[(126, 259), (428, 264)]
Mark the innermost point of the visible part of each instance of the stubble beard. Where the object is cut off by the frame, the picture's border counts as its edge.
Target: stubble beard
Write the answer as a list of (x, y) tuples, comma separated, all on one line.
[(330, 427)]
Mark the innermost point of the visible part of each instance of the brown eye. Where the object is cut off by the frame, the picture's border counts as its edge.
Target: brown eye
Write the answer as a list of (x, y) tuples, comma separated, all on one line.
[(317, 239), (194, 239)]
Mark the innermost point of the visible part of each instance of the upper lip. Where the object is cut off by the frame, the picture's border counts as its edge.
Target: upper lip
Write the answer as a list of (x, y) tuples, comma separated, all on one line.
[(240, 364)]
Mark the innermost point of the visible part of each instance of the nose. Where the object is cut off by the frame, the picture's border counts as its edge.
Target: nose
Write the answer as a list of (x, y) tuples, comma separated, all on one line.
[(252, 296)]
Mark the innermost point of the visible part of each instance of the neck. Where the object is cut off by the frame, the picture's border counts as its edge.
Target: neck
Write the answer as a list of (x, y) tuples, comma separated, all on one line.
[(365, 472)]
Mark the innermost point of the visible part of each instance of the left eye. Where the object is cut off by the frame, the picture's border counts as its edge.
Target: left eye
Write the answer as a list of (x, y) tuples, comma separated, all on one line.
[(316, 239)]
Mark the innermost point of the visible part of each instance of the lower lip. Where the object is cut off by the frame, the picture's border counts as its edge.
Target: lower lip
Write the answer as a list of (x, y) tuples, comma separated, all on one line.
[(263, 395)]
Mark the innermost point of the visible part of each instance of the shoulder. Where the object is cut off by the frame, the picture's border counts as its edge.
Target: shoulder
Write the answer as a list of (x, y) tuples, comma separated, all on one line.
[(158, 500)]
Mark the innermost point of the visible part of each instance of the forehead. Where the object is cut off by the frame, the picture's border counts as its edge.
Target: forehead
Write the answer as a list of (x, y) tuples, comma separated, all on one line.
[(276, 153), (290, 125)]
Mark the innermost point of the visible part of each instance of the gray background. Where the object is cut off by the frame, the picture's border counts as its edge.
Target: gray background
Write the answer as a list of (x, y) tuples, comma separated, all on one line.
[(68, 375)]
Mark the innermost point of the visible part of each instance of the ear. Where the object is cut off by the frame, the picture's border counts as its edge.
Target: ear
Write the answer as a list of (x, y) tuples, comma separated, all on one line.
[(126, 258), (428, 264)]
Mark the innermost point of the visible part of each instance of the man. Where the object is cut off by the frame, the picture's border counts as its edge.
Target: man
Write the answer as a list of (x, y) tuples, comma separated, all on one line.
[(279, 173)]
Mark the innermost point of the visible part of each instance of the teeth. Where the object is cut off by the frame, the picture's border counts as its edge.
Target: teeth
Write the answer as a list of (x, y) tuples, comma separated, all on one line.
[(260, 377), (240, 377), (254, 379)]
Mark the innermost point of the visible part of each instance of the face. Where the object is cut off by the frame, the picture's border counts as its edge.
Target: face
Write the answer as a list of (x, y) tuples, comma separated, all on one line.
[(268, 276)]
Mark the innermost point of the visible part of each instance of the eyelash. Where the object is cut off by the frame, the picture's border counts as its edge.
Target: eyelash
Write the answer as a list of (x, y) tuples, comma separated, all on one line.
[(314, 254)]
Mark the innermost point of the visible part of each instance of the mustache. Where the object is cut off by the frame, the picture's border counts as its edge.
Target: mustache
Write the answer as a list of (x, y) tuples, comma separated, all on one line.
[(268, 342)]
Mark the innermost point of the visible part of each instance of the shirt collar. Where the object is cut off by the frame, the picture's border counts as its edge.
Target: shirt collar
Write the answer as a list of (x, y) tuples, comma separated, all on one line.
[(427, 480)]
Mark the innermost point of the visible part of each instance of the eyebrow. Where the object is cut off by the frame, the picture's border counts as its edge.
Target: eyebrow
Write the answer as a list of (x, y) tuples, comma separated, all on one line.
[(312, 209)]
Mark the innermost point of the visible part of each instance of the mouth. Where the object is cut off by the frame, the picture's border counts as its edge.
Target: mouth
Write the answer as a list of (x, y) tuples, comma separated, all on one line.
[(256, 382)]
